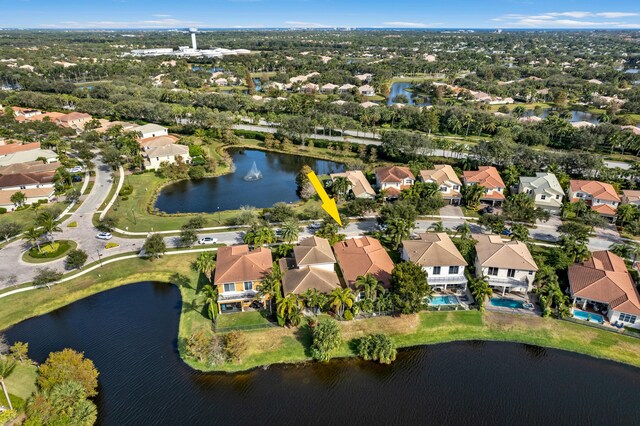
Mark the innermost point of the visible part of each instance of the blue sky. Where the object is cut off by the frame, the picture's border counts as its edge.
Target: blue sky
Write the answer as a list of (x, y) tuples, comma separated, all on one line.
[(614, 14)]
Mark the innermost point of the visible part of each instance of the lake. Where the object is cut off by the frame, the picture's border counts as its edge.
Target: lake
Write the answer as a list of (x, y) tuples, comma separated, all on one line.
[(230, 191), (130, 333), (402, 88), (575, 115)]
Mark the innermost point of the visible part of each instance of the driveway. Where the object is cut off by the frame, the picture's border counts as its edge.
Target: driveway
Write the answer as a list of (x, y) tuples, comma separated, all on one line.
[(450, 211)]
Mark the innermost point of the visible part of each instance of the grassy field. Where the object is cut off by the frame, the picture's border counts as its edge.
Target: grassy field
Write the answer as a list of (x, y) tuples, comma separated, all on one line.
[(62, 248), (21, 383)]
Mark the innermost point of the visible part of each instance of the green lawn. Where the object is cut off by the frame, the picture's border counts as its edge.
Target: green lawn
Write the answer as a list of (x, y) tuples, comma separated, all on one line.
[(49, 252), (241, 319), (21, 383)]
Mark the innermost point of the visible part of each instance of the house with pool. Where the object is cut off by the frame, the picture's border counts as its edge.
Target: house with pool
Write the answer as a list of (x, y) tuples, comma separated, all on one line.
[(508, 265), (239, 272), (439, 258), (602, 287)]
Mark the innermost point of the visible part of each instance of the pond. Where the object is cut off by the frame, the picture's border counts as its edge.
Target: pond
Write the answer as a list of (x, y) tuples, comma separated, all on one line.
[(231, 191), (575, 115), (130, 333), (403, 88)]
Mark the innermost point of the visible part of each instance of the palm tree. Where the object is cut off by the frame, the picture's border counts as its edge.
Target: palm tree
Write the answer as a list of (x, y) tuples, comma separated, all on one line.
[(32, 235), (480, 290), (206, 263), (7, 365), (398, 229), (519, 232), (260, 234), (289, 308), (472, 194), (49, 226), (341, 299), (210, 300), (463, 231), (341, 186), (289, 232), (270, 286), (369, 286), (437, 227), (576, 249), (314, 300), (626, 213)]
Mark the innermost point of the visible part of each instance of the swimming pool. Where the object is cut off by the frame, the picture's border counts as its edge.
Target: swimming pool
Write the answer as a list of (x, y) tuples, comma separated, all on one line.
[(507, 303), (443, 300), (588, 316)]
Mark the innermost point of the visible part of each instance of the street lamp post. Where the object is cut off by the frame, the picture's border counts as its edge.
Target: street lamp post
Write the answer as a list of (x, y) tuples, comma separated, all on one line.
[(99, 257), (219, 221)]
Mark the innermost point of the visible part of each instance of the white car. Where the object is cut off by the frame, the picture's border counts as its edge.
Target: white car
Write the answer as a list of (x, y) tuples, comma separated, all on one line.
[(207, 240), (104, 236), (76, 169)]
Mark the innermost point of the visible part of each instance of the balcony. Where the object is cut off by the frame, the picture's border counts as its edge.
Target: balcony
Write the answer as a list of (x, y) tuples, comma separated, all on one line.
[(243, 295), (446, 279)]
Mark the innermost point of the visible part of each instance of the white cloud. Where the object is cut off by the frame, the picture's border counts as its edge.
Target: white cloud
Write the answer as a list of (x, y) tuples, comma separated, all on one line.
[(150, 23), (405, 24), (160, 15), (571, 19), (299, 24)]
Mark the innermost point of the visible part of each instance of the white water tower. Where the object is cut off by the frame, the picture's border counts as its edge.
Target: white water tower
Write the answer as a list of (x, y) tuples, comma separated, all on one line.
[(193, 32)]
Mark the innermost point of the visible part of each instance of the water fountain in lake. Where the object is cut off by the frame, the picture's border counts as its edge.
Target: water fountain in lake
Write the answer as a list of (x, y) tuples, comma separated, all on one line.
[(254, 173)]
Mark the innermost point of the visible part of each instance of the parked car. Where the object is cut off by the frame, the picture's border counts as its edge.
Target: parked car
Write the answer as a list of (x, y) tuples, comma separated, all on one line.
[(76, 169), (315, 225), (207, 240), (104, 236), (76, 178), (488, 209), (507, 232)]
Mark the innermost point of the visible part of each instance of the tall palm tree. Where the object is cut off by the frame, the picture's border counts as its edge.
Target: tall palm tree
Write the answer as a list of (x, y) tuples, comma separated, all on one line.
[(48, 224), (32, 235), (206, 263), (369, 286), (7, 365), (259, 235), (398, 229), (480, 290), (289, 308), (437, 226), (341, 186), (576, 249), (314, 300), (210, 301), (289, 231), (341, 299), (270, 286), (472, 194), (463, 231)]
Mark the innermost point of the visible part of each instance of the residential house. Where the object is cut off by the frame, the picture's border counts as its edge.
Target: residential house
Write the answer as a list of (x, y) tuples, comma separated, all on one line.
[(630, 196), (74, 120), (17, 153), (158, 141), (545, 190), (364, 77), (154, 157), (18, 181), (32, 196), (360, 187), (368, 104), (346, 88), (239, 272), (508, 265), (447, 180), (439, 258), (367, 90), (311, 267), (604, 284), (600, 196), (362, 256), (393, 179), (150, 131), (489, 178), (328, 88), (309, 88)]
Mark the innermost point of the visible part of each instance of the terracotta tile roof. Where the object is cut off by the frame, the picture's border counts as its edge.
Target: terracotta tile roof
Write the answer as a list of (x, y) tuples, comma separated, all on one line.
[(29, 167), (493, 196), (308, 277), (440, 174), (361, 256), (492, 251), (604, 278), (486, 176), (26, 179), (312, 251), (433, 250), (158, 141), (601, 190), (359, 183), (393, 174), (604, 209), (237, 264), (18, 147)]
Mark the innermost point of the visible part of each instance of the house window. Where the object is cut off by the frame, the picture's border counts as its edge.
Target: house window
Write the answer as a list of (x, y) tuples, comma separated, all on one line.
[(453, 270), (248, 285), (229, 287), (631, 319), (436, 270), (511, 273), (557, 197), (443, 189), (530, 272), (493, 271), (543, 197), (456, 187)]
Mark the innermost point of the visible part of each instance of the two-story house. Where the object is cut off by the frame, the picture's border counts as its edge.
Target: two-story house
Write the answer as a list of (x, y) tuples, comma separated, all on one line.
[(439, 258), (393, 179), (508, 265), (601, 197), (155, 156), (603, 284), (151, 131), (311, 267), (631, 196), (362, 256), (360, 187), (447, 180), (545, 190), (239, 272), (489, 178)]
